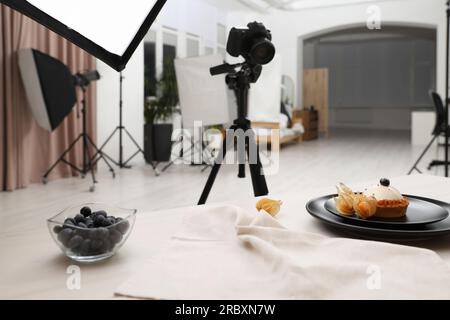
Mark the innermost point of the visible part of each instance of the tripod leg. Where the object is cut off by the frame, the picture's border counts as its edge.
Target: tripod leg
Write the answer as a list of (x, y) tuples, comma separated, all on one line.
[(256, 170), (414, 167), (133, 140), (61, 158), (214, 171), (101, 156), (107, 141), (87, 153), (140, 150), (180, 156)]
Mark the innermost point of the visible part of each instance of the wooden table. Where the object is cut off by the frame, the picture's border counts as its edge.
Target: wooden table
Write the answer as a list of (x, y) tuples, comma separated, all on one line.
[(32, 267)]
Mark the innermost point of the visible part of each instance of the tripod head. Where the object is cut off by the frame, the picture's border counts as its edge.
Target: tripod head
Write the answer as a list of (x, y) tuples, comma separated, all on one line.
[(239, 81), (251, 72)]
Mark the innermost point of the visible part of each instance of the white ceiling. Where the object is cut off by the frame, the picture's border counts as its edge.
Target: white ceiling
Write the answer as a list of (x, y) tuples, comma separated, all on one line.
[(264, 5)]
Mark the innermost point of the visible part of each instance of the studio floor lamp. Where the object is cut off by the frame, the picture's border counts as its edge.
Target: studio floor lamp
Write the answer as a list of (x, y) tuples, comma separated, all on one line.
[(122, 132)]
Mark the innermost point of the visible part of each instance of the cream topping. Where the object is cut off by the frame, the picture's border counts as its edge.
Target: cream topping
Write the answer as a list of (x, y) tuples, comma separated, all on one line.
[(383, 193)]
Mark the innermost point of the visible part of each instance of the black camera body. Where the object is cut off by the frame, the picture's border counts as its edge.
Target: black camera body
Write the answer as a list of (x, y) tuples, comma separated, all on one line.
[(254, 44)]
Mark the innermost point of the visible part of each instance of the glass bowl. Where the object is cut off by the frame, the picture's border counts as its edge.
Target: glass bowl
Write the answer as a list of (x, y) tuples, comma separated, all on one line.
[(91, 232)]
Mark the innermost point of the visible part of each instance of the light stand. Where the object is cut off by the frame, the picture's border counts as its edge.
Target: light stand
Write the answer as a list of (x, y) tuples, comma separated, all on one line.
[(240, 82), (122, 130), (89, 162)]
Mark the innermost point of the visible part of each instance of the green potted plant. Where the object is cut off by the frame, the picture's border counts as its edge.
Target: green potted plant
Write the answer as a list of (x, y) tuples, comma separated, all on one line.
[(157, 112)]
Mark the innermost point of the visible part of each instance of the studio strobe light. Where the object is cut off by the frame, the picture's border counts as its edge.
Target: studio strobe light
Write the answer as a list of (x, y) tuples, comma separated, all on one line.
[(49, 86), (51, 92), (254, 45)]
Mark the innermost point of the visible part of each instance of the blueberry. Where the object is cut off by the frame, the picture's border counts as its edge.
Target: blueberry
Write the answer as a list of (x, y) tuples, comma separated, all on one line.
[(65, 235), (86, 211), (112, 220), (82, 225), (75, 242), (101, 213), (98, 220), (385, 182), (69, 221), (100, 233), (89, 223), (106, 223), (85, 247), (123, 226), (68, 225), (106, 246), (79, 218), (96, 244), (82, 232), (115, 236), (57, 229)]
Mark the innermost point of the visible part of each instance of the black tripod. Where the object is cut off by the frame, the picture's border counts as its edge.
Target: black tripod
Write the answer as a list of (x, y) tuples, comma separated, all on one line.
[(88, 161), (241, 129), (121, 163)]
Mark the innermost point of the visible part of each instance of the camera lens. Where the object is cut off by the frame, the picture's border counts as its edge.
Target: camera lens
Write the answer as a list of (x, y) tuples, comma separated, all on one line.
[(262, 51)]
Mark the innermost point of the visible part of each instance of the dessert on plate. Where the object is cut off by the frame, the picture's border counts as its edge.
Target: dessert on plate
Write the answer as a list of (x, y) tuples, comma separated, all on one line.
[(381, 200)]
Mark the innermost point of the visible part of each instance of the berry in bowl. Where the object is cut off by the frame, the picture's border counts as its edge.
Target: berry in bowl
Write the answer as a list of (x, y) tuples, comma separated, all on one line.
[(91, 232)]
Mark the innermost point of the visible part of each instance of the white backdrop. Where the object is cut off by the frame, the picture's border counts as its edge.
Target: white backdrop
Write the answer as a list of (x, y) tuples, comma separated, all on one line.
[(265, 94), (202, 97)]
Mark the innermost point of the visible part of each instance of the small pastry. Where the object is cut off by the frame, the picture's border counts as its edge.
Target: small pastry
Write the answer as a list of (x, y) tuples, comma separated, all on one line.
[(344, 200), (270, 206), (390, 202)]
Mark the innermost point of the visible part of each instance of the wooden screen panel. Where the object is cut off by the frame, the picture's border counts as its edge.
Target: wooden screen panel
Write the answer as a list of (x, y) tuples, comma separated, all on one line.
[(315, 93)]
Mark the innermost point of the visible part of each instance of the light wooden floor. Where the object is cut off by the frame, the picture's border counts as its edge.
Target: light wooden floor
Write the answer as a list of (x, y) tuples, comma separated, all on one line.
[(347, 156)]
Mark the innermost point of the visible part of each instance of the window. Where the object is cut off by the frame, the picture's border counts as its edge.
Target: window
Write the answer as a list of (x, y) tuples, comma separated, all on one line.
[(192, 47), (221, 39), (170, 41), (150, 64)]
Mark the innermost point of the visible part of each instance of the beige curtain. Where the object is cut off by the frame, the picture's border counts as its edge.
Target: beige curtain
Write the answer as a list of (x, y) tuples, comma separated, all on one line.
[(26, 150)]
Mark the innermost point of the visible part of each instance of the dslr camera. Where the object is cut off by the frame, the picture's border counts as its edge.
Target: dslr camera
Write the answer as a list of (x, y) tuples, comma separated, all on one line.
[(254, 44)]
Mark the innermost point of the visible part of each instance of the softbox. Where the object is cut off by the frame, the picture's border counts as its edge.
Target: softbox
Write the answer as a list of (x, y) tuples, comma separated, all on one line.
[(109, 30), (49, 87)]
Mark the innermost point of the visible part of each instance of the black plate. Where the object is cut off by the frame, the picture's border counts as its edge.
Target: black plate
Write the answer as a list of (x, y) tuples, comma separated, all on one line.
[(316, 208), (419, 212)]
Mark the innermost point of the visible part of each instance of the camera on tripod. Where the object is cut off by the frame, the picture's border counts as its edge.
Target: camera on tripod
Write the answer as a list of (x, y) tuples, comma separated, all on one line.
[(254, 44)]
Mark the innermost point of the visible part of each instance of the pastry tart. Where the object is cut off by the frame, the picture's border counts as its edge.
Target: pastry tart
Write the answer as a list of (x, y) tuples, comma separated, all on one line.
[(390, 202), (382, 201)]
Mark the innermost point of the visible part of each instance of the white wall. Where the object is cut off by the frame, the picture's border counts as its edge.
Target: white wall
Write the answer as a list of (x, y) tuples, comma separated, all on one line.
[(185, 18), (200, 17), (289, 28)]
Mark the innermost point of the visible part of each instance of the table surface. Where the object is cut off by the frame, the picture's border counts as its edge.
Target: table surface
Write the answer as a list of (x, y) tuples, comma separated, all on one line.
[(32, 266)]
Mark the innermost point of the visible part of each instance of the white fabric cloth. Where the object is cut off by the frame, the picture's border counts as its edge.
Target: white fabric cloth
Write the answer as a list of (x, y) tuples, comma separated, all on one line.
[(223, 252)]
